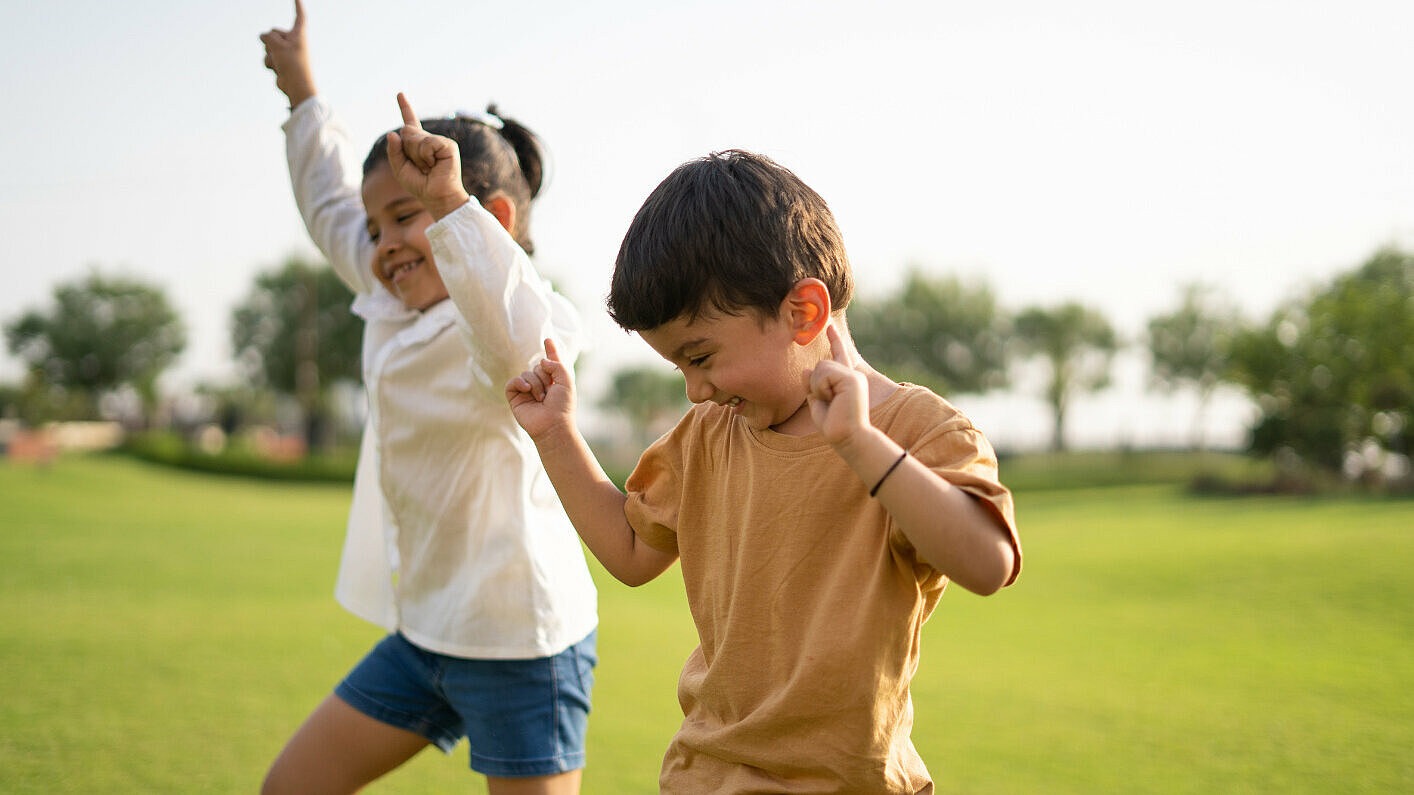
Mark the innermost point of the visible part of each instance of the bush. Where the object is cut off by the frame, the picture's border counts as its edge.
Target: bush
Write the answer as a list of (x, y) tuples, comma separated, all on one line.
[(241, 459)]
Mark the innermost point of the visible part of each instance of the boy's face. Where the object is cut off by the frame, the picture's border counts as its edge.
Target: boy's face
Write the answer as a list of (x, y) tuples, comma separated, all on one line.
[(397, 224), (752, 365)]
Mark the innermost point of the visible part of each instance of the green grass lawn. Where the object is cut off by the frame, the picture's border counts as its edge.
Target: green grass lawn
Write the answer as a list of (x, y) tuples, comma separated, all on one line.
[(165, 632)]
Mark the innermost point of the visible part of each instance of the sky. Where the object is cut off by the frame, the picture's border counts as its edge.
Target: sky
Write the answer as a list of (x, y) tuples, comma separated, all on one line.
[(1094, 150)]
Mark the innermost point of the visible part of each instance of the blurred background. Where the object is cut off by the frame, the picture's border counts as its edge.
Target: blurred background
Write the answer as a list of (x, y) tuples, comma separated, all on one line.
[(1156, 179)]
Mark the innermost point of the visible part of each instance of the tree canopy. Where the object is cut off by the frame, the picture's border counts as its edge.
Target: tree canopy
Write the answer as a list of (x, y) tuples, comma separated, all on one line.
[(1078, 344), (100, 333), (651, 399), (1191, 346), (297, 316), (1333, 373), (294, 334), (942, 333)]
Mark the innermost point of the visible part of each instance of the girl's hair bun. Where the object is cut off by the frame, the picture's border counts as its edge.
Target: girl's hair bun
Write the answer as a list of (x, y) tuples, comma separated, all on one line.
[(527, 147)]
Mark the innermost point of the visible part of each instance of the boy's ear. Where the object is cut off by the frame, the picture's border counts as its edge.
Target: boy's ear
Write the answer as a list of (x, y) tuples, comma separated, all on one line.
[(808, 303), (504, 209)]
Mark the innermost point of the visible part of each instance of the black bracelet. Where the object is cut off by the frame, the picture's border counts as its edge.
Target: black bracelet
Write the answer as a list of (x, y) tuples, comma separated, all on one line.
[(888, 472)]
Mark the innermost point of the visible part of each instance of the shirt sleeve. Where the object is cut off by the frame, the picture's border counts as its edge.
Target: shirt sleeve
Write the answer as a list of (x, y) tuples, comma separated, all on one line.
[(959, 453), (507, 309), (655, 494), (326, 187)]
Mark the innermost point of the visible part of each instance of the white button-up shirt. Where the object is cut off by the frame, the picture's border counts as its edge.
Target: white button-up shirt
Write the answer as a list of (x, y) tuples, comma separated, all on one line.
[(455, 536)]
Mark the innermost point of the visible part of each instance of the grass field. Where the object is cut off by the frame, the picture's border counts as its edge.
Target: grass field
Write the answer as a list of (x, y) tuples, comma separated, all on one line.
[(165, 632)]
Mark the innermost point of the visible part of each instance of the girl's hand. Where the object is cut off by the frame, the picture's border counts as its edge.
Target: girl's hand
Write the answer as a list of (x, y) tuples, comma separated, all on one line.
[(838, 394), (288, 57), (542, 398), (427, 166)]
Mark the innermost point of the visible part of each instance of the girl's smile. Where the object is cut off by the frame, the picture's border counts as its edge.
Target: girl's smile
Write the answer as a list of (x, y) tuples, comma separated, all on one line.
[(398, 271), (397, 224)]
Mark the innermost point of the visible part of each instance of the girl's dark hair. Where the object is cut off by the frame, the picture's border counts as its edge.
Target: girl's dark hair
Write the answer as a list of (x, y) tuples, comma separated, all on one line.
[(510, 160), (733, 231)]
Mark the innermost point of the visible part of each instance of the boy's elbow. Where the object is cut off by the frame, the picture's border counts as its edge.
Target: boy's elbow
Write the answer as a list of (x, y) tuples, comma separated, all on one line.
[(995, 571), (643, 565), (634, 579)]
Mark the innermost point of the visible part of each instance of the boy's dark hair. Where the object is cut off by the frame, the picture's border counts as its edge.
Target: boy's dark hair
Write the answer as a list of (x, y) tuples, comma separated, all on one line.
[(732, 231), (508, 160)]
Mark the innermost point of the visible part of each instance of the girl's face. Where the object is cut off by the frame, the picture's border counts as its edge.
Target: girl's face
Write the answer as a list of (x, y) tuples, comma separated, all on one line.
[(397, 224)]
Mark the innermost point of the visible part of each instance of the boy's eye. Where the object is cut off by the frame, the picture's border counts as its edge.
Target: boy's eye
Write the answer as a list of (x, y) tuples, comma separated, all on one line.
[(697, 361)]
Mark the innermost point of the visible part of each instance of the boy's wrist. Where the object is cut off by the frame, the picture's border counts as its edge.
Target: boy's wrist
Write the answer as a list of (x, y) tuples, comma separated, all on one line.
[(859, 445), (560, 436)]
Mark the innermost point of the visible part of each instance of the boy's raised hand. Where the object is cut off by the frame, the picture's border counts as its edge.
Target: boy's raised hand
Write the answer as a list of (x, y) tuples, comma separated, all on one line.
[(542, 398), (287, 55), (838, 394), (428, 166)]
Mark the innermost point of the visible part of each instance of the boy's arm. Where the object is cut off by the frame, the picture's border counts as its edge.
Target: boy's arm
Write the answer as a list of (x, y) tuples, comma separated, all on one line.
[(543, 402), (948, 527), (318, 151)]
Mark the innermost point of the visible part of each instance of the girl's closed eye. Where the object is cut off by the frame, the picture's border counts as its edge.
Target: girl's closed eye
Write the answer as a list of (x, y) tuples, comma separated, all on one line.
[(373, 233)]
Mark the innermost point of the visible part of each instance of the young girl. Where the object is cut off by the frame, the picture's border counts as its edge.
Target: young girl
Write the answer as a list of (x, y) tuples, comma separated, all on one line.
[(456, 542)]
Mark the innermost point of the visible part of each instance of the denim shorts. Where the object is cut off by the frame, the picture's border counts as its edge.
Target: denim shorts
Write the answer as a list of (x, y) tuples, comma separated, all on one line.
[(521, 717)]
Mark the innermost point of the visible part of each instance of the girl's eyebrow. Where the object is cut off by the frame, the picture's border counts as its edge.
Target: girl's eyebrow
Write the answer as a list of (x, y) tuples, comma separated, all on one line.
[(399, 202)]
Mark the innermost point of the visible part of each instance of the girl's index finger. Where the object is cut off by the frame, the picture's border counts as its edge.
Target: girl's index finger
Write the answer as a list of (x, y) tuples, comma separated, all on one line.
[(409, 118), (551, 352), (299, 17)]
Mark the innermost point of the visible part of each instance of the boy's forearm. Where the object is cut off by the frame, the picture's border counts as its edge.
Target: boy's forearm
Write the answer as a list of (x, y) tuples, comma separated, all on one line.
[(948, 527), (596, 508)]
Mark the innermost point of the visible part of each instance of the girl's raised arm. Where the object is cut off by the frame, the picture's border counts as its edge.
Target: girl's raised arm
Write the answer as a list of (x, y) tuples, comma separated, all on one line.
[(287, 55)]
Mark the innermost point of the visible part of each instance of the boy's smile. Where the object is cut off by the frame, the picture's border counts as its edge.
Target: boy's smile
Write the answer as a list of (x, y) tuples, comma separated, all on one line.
[(751, 365)]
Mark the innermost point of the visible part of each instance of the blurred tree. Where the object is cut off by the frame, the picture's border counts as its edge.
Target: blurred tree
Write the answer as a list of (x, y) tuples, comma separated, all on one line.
[(941, 333), (1333, 374), (650, 398), (1078, 344), (1191, 346), (102, 333), (294, 334)]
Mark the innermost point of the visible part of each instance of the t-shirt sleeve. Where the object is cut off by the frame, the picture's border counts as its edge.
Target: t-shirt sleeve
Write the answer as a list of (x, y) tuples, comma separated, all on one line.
[(962, 456), (654, 491)]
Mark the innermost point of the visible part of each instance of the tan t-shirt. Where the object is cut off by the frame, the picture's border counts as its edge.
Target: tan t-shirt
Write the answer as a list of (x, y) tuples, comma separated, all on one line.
[(808, 600)]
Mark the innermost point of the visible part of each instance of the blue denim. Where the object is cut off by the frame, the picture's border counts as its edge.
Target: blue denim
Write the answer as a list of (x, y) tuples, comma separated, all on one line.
[(521, 717)]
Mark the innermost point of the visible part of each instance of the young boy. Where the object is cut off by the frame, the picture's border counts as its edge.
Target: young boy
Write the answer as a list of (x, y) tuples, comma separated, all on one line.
[(818, 508)]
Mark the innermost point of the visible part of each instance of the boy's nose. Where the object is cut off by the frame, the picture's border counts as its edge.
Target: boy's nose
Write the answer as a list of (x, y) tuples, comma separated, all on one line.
[(699, 390)]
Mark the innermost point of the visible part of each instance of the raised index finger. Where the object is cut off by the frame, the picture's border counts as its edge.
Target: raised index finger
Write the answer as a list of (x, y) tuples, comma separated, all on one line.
[(299, 17), (838, 351), (409, 118)]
